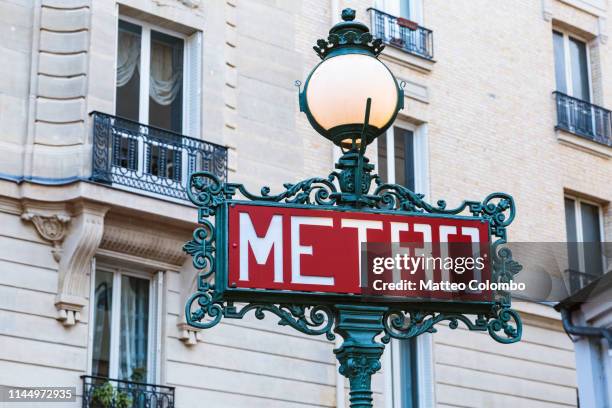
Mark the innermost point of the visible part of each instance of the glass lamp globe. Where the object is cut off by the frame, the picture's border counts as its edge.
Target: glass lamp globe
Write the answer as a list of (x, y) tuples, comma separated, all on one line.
[(337, 90)]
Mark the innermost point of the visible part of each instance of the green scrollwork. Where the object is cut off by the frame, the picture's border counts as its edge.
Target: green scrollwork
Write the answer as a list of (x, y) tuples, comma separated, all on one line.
[(201, 248), (312, 320), (208, 307), (400, 324)]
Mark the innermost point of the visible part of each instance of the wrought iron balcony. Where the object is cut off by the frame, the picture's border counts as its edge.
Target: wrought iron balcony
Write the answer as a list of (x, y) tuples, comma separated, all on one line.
[(101, 392), (578, 280), (402, 33), (584, 119), (147, 158)]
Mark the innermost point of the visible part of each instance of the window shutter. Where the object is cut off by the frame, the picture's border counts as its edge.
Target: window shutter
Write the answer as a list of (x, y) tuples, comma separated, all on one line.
[(194, 86)]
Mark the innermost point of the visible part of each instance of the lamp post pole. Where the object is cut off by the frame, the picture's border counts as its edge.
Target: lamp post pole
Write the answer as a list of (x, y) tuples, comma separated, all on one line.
[(359, 355)]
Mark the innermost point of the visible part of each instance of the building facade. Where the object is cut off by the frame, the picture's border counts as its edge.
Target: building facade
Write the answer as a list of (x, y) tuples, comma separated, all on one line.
[(106, 106)]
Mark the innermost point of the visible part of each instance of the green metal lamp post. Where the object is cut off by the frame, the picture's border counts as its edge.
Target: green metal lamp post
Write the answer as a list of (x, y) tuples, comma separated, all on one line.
[(350, 98)]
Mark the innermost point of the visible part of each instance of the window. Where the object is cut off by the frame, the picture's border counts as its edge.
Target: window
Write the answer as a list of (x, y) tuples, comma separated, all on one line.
[(584, 226), (402, 158), (150, 79), (397, 143), (125, 325), (408, 9), (571, 66)]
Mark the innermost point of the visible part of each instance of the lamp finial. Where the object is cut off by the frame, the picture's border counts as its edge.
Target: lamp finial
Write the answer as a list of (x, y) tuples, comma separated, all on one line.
[(348, 14)]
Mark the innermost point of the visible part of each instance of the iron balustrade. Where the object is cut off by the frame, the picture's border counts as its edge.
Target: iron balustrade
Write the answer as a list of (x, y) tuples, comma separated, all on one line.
[(402, 33), (148, 158), (584, 119), (102, 392), (578, 280)]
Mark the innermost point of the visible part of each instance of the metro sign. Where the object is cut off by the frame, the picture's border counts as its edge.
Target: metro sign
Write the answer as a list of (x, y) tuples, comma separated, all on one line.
[(280, 249)]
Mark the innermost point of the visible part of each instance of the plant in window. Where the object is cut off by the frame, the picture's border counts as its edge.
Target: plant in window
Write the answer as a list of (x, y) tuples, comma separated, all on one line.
[(102, 397), (123, 400), (106, 396), (139, 374)]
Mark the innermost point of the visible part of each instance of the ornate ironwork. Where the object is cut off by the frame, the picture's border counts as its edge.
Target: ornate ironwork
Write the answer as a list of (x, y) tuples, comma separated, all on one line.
[(503, 324), (101, 392), (402, 33), (339, 191), (348, 34), (147, 158), (584, 119)]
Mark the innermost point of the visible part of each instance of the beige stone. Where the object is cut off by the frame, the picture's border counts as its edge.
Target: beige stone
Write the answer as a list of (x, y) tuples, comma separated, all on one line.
[(62, 65), (64, 20), (63, 43)]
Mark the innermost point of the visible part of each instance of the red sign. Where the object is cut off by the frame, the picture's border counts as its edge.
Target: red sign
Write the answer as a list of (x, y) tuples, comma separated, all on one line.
[(312, 250)]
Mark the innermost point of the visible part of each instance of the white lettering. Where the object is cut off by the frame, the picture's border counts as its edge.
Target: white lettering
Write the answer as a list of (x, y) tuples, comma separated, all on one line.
[(261, 246), (298, 249)]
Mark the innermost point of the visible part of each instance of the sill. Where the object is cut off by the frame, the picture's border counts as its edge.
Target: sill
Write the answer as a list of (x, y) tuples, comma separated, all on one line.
[(407, 59), (580, 143)]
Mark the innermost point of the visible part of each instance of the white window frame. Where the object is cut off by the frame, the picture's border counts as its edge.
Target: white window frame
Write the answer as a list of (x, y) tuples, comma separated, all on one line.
[(421, 155), (579, 231), (155, 320), (145, 65), (568, 63)]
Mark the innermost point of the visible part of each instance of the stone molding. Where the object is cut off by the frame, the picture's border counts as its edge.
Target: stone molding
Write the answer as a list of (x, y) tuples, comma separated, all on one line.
[(79, 247), (124, 236), (51, 222), (189, 335), (50, 227)]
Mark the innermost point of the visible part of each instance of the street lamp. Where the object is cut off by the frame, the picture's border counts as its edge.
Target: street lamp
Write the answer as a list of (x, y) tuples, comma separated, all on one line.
[(350, 96)]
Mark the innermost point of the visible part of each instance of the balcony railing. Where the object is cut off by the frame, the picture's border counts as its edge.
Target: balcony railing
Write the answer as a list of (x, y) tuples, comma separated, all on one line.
[(402, 33), (101, 392), (147, 158), (584, 119), (578, 280)]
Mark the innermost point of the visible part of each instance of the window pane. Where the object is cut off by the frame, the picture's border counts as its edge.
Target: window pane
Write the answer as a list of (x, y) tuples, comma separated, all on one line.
[(408, 373), (102, 303), (404, 157), (573, 262), (134, 343), (405, 8), (166, 82), (580, 73), (591, 234), (559, 62), (382, 158), (128, 71)]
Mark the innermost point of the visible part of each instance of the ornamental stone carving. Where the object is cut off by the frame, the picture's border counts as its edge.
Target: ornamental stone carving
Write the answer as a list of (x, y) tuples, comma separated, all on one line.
[(127, 235), (79, 247), (51, 228)]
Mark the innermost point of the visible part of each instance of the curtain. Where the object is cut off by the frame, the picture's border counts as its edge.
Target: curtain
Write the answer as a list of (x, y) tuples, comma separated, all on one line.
[(128, 56), (166, 75), (134, 329)]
